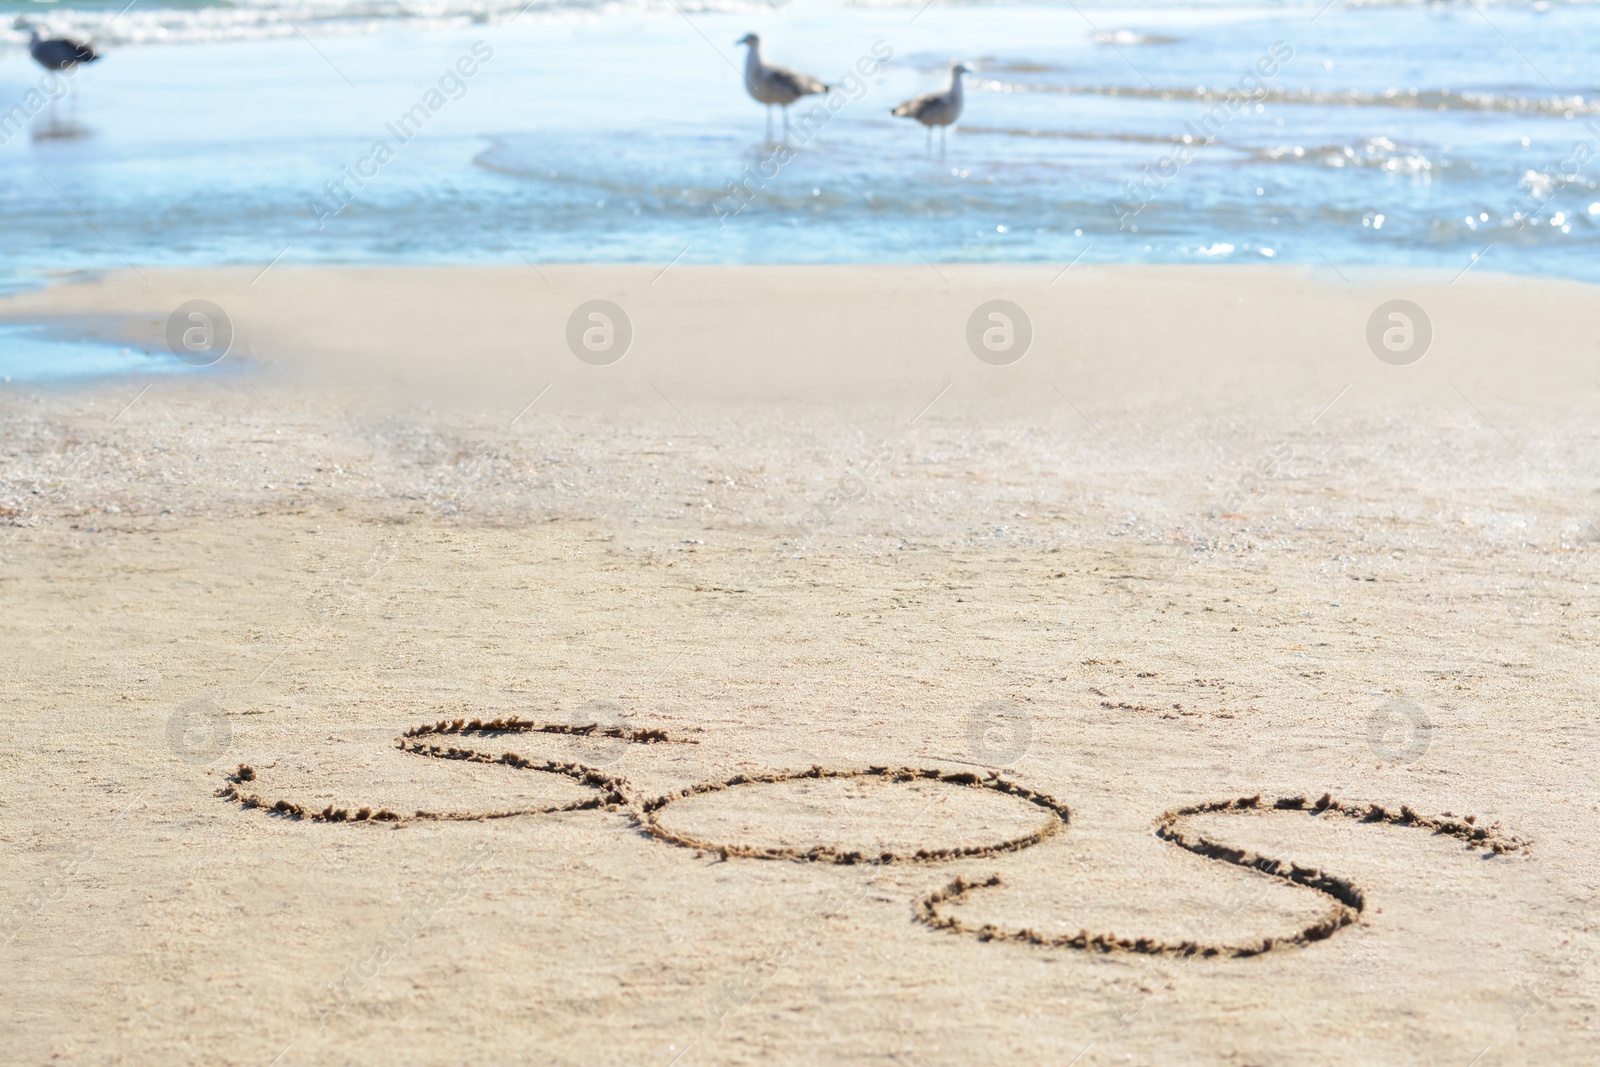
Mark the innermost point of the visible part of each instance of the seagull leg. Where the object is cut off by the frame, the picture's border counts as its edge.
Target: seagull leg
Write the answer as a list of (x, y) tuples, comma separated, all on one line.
[(769, 123), (928, 149), (785, 123)]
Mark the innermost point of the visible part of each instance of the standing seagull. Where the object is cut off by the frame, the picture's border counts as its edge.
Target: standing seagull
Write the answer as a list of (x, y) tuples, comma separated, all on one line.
[(57, 53), (937, 109), (774, 85)]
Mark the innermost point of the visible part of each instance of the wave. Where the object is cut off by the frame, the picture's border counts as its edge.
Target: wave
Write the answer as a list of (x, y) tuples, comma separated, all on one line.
[(146, 24), (1418, 99), (583, 180), (576, 190), (111, 23), (1070, 135), (1378, 152), (1130, 37)]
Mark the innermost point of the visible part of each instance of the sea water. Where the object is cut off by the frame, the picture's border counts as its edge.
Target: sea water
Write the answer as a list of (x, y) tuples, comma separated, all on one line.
[(1439, 135), (34, 353)]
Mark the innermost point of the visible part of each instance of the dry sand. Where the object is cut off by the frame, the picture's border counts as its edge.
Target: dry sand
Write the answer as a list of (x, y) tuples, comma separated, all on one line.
[(1198, 544)]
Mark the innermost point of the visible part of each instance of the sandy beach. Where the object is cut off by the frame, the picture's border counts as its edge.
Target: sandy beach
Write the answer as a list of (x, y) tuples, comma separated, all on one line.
[(1197, 544)]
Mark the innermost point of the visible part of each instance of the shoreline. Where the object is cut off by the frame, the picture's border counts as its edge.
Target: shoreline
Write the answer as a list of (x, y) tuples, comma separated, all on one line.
[(289, 309)]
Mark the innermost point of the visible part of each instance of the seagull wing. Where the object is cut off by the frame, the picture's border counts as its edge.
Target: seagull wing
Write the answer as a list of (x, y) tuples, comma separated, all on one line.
[(60, 53), (915, 109), (795, 82)]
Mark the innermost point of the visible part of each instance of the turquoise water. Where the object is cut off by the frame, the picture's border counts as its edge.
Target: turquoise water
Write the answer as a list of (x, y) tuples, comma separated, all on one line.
[(30, 353), (1390, 134)]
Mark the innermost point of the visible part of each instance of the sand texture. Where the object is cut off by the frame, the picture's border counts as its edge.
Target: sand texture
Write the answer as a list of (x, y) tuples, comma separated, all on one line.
[(842, 698)]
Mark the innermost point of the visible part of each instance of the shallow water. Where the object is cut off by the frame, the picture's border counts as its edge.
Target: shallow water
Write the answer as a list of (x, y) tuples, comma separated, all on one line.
[(33, 353), (1395, 134)]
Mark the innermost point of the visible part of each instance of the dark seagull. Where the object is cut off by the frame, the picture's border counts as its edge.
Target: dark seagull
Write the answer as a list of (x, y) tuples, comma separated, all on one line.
[(57, 53)]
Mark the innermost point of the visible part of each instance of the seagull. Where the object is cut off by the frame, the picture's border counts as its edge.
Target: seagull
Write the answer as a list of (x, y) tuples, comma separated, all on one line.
[(56, 53), (774, 85), (937, 109)]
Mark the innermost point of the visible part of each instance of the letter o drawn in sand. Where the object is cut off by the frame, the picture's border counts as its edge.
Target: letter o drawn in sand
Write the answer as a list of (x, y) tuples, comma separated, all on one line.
[(1055, 817), (599, 332)]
